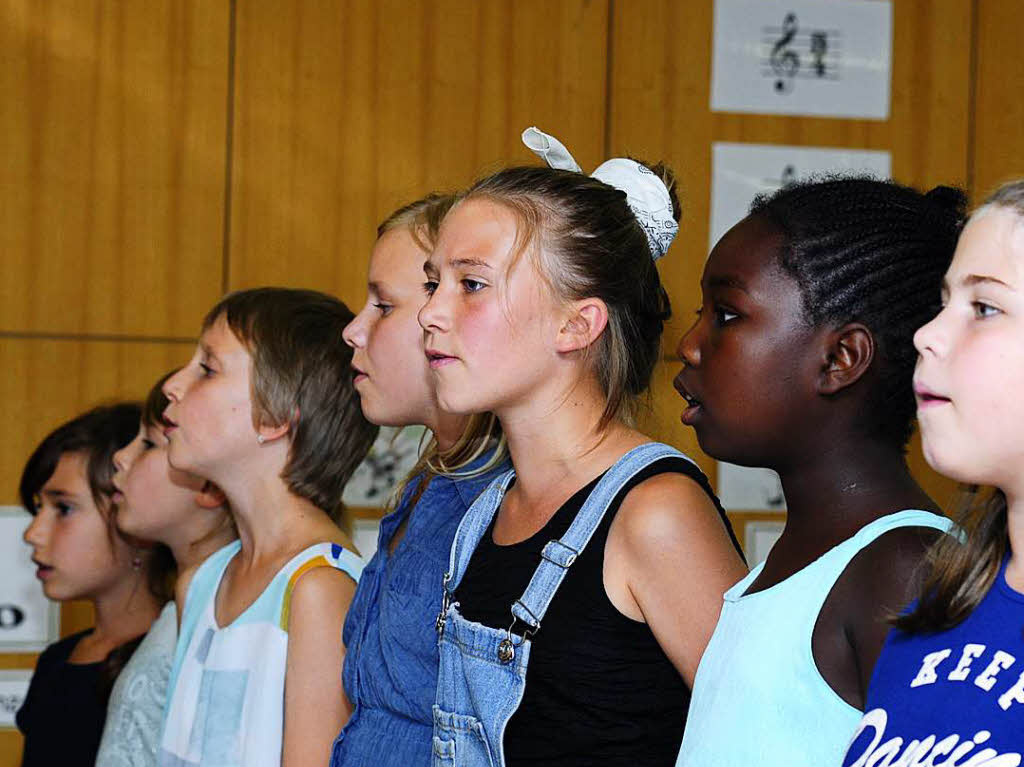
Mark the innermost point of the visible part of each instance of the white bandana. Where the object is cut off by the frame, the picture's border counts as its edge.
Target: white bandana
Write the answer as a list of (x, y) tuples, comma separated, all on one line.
[(646, 194)]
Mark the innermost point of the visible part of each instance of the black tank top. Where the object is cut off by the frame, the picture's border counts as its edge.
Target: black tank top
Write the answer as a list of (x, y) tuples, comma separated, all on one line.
[(599, 688)]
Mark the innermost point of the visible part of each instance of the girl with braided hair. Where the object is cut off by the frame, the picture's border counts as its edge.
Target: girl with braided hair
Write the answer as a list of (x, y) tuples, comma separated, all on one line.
[(950, 679), (801, 361), (582, 585)]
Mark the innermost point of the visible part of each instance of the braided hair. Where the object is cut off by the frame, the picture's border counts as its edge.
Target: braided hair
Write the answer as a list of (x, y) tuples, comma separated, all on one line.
[(873, 252)]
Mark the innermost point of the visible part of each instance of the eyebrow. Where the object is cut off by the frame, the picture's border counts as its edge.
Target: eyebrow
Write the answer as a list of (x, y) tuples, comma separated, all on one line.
[(978, 279), (728, 281), (56, 494), (208, 350)]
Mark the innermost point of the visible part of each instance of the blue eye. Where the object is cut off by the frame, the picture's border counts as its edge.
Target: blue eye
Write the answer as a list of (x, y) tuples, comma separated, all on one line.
[(983, 310), (207, 371), (472, 286)]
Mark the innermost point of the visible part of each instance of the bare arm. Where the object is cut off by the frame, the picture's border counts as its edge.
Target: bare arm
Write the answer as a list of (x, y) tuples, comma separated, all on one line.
[(315, 706), (668, 561)]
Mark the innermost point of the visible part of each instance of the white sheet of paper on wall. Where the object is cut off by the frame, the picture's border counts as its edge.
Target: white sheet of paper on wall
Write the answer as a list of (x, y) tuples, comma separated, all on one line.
[(28, 620), (13, 689), (819, 58), (747, 489), (739, 172)]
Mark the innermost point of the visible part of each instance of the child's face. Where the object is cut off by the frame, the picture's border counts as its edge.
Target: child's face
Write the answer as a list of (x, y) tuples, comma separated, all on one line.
[(489, 329), (747, 369), (153, 499), (212, 430), (392, 376), (970, 371), (71, 542)]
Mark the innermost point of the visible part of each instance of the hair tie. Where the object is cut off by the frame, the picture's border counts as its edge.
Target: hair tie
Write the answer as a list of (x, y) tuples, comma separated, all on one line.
[(646, 194)]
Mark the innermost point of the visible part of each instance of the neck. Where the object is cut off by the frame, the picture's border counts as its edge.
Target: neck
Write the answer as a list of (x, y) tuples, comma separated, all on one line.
[(1015, 530), (557, 446), (447, 428), (192, 545), (839, 488), (125, 611)]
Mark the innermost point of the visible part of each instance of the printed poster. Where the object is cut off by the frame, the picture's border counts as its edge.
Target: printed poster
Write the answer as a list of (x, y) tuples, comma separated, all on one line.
[(28, 620), (817, 58)]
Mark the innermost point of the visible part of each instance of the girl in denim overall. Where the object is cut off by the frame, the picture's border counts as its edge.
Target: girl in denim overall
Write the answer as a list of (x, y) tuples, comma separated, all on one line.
[(546, 309), (390, 672)]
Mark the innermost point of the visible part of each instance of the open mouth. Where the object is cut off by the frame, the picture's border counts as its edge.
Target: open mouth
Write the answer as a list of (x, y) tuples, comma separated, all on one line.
[(438, 359), (694, 405), (358, 375), (42, 571), (926, 398), (169, 424)]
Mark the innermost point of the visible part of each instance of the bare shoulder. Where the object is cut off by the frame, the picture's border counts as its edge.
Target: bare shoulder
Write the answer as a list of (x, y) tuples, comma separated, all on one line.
[(321, 589), (668, 504), (890, 569)]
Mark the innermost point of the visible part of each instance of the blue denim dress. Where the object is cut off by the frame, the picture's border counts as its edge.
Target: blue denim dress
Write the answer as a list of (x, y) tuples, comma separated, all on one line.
[(391, 660), (483, 670)]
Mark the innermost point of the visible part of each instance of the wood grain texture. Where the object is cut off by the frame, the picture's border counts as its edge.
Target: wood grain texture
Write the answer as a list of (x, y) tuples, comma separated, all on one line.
[(346, 109), (112, 134), (46, 383), (998, 149)]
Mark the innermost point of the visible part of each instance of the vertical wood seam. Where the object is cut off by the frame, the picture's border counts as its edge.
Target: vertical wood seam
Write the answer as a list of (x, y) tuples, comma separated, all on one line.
[(225, 266), (608, 77), (972, 102)]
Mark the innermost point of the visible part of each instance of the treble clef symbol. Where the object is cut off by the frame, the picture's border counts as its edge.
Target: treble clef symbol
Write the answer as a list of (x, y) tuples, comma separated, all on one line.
[(785, 60)]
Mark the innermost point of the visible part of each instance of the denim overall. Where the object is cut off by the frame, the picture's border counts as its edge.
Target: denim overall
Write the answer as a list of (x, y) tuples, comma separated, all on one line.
[(483, 670)]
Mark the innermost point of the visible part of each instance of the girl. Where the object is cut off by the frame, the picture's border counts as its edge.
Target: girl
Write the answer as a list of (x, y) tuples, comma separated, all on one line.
[(949, 685), (66, 485), (546, 309), (391, 657), (187, 514), (801, 360), (266, 411)]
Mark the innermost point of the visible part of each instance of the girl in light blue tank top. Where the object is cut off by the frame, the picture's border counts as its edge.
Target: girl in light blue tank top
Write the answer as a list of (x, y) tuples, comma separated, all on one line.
[(801, 361), (267, 411)]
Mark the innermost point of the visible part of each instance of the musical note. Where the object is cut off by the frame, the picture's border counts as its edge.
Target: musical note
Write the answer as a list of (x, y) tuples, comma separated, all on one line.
[(819, 47), (784, 59)]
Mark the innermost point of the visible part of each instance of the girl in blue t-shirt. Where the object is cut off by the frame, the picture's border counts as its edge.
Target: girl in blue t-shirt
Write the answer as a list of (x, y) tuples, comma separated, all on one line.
[(391, 658), (949, 685)]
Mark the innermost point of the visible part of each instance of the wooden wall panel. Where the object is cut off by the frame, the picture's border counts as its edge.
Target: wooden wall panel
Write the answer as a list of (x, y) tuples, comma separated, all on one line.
[(998, 149), (660, 109), (347, 108), (48, 382), (112, 133)]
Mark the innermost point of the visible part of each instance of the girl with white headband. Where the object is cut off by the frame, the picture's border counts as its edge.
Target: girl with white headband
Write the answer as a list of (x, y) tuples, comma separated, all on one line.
[(584, 584)]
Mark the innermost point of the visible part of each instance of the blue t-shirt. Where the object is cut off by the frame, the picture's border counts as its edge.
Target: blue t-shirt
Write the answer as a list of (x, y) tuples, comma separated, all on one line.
[(391, 658), (951, 698)]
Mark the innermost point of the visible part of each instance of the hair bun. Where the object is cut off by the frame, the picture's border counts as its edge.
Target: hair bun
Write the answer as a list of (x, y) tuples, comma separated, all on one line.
[(949, 198)]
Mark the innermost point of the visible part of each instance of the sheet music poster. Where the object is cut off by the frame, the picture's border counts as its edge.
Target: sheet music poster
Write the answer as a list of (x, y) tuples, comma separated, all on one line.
[(822, 58)]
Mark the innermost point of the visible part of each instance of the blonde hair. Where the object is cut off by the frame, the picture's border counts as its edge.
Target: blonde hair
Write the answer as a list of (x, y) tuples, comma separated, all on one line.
[(963, 565), (422, 219)]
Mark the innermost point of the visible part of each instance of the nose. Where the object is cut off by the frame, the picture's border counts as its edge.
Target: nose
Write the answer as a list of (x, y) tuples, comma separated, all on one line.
[(354, 333), (930, 337), (121, 461), (34, 534), (688, 348), (434, 316), (174, 386)]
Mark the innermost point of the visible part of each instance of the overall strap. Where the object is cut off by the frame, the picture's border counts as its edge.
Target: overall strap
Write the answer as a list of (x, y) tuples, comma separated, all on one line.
[(558, 556), (472, 528)]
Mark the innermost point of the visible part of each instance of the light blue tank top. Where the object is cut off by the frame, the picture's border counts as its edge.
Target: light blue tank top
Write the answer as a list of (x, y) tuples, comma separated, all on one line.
[(758, 697)]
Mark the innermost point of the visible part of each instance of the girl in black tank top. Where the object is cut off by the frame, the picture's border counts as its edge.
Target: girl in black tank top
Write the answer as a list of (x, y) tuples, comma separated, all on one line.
[(596, 678)]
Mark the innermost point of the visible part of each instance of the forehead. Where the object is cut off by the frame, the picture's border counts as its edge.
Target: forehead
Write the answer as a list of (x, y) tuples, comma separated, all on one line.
[(396, 254), (221, 339), (69, 475), (748, 254), (992, 245), (477, 229)]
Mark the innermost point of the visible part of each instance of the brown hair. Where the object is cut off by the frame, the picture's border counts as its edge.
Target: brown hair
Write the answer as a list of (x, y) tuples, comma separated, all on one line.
[(98, 434), (963, 565), (422, 218), (302, 376), (588, 243)]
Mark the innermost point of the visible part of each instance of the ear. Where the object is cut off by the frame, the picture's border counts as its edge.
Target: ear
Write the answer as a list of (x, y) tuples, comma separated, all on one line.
[(267, 433), (210, 496), (586, 321), (849, 352)]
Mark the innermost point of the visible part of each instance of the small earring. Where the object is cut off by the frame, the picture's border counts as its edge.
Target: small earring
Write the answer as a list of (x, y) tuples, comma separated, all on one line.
[(260, 438), (136, 563)]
